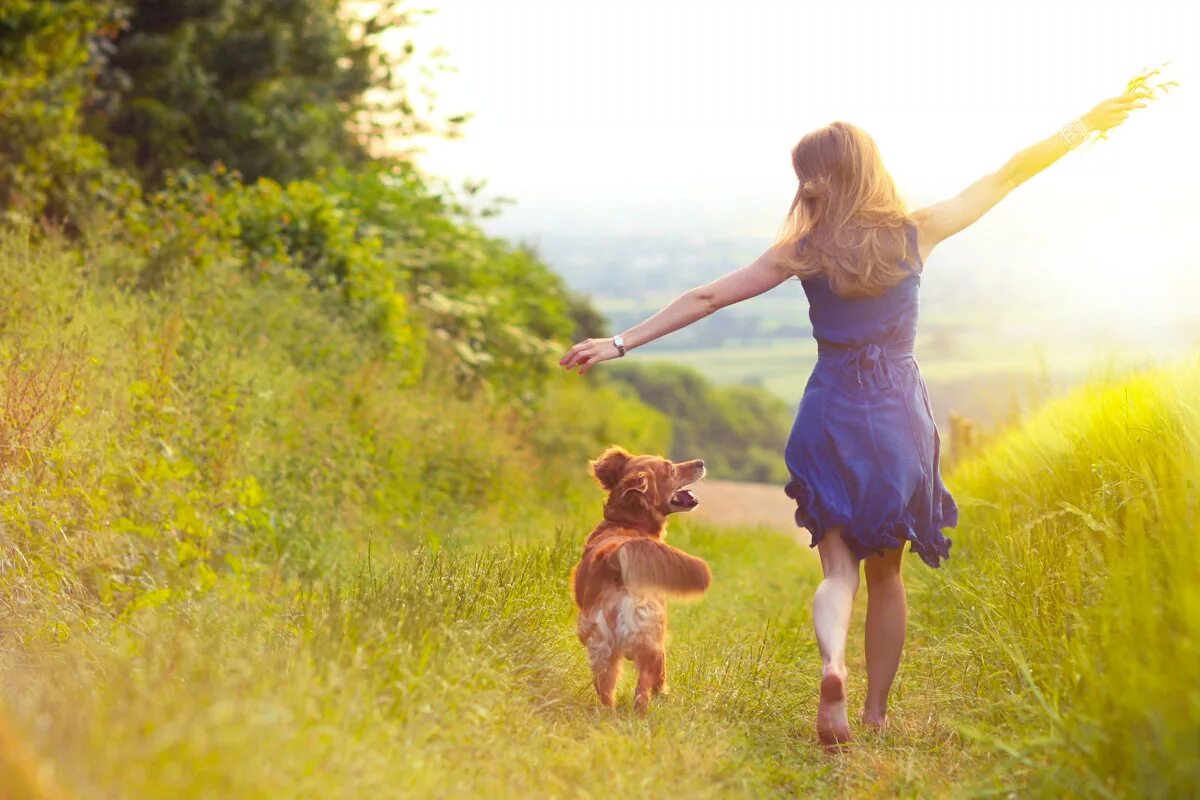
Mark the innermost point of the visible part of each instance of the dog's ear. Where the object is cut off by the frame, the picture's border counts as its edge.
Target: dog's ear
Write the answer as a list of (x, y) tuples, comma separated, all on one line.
[(609, 467), (638, 483)]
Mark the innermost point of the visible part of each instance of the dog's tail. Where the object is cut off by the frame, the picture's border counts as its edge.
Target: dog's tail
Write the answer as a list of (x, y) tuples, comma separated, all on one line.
[(650, 564)]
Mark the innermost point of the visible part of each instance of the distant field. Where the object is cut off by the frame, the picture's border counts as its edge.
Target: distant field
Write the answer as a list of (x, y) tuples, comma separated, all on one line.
[(985, 350), (986, 385)]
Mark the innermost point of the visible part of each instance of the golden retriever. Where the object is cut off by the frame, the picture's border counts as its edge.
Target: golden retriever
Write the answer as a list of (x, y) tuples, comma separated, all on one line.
[(627, 571)]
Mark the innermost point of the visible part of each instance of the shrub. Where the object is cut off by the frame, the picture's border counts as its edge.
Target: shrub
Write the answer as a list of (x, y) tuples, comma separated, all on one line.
[(48, 166)]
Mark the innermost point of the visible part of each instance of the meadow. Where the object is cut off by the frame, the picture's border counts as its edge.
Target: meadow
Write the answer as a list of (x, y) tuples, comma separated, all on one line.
[(291, 485), (209, 595)]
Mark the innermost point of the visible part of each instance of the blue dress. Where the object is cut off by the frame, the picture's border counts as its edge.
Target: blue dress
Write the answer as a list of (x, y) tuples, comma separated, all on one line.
[(864, 451)]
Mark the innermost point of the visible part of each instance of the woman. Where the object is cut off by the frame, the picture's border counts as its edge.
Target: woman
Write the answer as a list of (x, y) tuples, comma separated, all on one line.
[(864, 450)]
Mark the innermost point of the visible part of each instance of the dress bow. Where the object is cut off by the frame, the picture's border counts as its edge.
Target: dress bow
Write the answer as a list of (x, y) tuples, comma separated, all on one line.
[(872, 357)]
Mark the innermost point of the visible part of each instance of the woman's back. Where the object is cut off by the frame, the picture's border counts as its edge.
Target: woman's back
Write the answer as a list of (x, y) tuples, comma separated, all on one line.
[(889, 318), (864, 451)]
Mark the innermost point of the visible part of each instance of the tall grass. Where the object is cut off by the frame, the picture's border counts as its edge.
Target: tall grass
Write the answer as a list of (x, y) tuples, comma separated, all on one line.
[(1070, 611)]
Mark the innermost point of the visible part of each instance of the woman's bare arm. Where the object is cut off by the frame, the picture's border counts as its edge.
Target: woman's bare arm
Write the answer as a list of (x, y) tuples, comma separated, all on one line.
[(942, 220), (765, 272)]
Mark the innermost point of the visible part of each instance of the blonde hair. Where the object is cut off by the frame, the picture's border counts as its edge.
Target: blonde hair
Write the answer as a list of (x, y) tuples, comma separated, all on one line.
[(849, 213)]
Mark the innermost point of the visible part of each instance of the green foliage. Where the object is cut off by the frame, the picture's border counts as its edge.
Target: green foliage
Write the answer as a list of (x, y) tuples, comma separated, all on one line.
[(738, 430), (235, 417), (48, 167), (498, 316), (277, 90), (269, 88), (305, 226)]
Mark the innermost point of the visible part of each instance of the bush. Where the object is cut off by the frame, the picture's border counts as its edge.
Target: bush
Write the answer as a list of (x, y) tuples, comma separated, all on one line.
[(48, 166)]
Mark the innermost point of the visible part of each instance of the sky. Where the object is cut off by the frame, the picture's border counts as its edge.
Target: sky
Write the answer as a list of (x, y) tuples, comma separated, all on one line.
[(677, 118)]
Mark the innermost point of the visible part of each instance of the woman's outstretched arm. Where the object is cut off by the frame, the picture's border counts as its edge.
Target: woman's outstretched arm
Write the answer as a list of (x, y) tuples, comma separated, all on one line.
[(942, 220), (764, 273)]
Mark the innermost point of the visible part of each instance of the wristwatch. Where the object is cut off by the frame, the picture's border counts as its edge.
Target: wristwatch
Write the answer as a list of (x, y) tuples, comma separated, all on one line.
[(619, 343)]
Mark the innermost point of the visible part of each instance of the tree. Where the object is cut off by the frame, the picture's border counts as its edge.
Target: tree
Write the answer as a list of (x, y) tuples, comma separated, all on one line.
[(48, 53), (271, 88)]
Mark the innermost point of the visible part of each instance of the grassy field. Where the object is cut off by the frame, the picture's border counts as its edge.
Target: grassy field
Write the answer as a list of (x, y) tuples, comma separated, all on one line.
[(988, 381), (458, 675), (1046, 656), (247, 560)]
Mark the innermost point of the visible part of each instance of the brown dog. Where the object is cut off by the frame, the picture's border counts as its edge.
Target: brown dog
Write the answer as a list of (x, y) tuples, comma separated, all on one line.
[(627, 571)]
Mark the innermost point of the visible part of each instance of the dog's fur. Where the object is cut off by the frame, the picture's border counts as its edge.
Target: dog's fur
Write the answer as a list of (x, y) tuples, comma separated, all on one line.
[(627, 571)]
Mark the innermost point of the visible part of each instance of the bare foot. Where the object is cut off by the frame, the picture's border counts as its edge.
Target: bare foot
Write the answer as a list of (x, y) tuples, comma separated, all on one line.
[(833, 727), (876, 723)]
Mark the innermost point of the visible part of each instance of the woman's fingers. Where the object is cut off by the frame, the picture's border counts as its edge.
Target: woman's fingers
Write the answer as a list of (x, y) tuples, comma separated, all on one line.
[(583, 360), (582, 353), (586, 355), (570, 359)]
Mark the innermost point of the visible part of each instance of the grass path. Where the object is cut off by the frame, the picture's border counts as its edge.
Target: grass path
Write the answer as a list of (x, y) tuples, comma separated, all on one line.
[(742, 504), (459, 675)]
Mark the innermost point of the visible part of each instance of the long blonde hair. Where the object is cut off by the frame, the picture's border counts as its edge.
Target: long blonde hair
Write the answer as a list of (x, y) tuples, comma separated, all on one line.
[(848, 211)]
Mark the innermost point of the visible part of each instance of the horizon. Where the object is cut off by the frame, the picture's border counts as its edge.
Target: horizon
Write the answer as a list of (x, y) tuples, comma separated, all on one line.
[(685, 136)]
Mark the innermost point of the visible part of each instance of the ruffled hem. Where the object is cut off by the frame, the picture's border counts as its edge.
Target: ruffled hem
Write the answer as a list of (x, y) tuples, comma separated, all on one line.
[(816, 517)]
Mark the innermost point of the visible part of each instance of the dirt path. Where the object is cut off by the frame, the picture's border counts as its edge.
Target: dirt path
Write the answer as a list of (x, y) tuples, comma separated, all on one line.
[(736, 503)]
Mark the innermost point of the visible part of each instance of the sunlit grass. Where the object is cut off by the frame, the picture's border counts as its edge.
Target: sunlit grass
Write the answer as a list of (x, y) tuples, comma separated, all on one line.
[(458, 674), (1072, 603), (383, 610), (1045, 656)]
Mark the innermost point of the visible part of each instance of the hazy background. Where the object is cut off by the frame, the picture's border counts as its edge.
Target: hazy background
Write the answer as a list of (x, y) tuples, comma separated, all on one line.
[(646, 146)]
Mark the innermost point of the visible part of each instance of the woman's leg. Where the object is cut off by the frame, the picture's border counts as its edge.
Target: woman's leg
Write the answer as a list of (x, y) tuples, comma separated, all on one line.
[(832, 604), (887, 619)]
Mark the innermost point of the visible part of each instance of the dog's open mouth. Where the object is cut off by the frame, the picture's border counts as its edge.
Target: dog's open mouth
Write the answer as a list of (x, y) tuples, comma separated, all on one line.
[(683, 498)]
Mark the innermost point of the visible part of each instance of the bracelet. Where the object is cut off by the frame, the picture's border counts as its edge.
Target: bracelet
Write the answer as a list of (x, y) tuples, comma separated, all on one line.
[(1074, 132)]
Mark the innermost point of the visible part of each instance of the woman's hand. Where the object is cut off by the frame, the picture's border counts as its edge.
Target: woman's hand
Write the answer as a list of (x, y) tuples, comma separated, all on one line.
[(1115, 110), (589, 353)]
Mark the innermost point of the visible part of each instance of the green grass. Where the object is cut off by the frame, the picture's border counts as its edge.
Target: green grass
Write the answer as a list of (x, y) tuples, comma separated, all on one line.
[(1071, 608), (458, 674), (248, 561)]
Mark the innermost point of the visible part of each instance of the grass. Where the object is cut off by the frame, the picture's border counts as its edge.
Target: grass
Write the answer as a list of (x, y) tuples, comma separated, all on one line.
[(458, 674), (242, 560), (1072, 604)]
